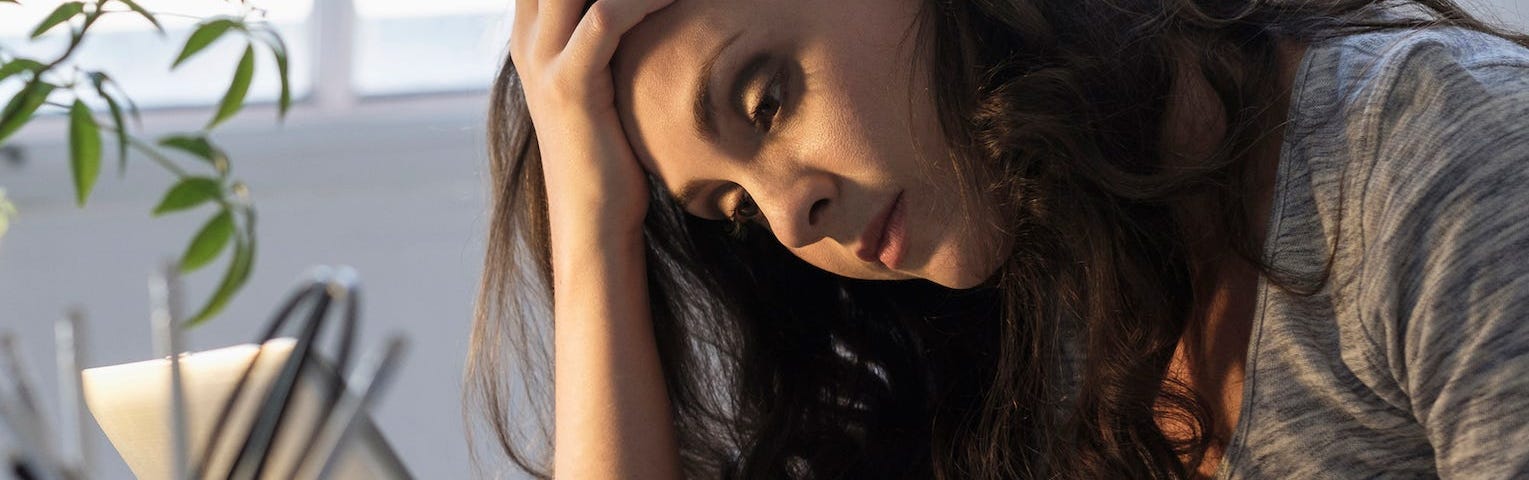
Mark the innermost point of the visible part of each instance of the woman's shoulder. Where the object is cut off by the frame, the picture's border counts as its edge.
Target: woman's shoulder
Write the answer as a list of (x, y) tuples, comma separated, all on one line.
[(1435, 117), (1420, 138), (1462, 45), (1415, 145), (1412, 119), (1412, 150), (1406, 99), (1375, 72)]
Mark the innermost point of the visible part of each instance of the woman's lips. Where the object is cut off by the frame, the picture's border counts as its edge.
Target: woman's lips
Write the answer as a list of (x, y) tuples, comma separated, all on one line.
[(885, 238), (896, 236)]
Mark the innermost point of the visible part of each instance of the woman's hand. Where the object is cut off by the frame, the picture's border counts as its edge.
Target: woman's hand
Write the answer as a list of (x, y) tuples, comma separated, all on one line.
[(562, 54)]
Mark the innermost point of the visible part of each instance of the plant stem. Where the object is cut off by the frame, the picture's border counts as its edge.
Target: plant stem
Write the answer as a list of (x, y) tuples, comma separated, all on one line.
[(157, 157), (140, 145), (75, 39)]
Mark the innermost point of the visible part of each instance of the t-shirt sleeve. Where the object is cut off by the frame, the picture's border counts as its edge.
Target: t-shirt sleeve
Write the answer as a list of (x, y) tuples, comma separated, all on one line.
[(1446, 220)]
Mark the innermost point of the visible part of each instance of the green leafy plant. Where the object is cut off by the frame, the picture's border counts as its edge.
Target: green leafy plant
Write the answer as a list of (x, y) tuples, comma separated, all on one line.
[(55, 83)]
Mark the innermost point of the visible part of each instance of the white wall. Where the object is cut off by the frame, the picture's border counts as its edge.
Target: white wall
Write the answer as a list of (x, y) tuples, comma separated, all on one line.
[(398, 198), (395, 193)]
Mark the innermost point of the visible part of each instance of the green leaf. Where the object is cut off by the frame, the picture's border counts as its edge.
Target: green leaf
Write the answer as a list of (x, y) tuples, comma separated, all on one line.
[(145, 13), (84, 150), (234, 99), (59, 15), (279, 50), (204, 35), (234, 278), (19, 110), (99, 80), (122, 140), (19, 65), (208, 242), (188, 193), (196, 145), (132, 107)]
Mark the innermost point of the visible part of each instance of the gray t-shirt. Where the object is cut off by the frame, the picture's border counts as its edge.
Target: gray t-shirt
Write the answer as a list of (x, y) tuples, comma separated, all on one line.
[(1407, 155)]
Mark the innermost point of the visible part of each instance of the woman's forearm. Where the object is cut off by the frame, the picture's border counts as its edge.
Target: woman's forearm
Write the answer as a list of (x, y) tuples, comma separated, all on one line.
[(612, 414), (611, 411)]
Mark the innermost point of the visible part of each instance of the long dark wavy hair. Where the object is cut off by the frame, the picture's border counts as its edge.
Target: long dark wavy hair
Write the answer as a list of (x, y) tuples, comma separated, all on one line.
[(1054, 368)]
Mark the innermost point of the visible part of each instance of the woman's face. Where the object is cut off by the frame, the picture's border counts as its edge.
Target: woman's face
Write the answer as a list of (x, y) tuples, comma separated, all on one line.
[(811, 118)]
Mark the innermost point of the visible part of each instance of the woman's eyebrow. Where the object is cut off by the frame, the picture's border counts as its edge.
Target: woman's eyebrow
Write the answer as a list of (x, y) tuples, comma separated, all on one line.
[(705, 118), (688, 193)]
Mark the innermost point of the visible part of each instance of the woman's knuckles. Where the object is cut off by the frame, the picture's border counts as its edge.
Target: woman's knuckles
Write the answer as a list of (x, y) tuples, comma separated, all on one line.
[(587, 164), (600, 18)]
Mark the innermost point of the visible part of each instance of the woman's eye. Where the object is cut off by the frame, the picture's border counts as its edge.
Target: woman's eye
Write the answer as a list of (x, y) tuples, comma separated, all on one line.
[(745, 209), (763, 114), (742, 213)]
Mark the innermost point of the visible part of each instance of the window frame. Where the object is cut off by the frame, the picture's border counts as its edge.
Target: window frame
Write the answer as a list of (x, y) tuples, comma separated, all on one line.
[(332, 99)]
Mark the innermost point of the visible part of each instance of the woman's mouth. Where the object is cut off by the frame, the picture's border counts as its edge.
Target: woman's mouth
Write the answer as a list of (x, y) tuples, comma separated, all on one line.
[(886, 237)]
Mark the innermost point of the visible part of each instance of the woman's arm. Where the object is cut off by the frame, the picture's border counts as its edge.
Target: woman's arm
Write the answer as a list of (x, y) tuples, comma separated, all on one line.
[(611, 411)]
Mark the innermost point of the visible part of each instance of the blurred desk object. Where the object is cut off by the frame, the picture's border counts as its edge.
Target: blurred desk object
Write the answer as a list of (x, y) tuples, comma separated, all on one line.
[(129, 402), (274, 408)]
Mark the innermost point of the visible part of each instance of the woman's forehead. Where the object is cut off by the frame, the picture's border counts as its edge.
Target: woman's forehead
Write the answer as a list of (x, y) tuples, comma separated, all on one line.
[(676, 38), (658, 72), (682, 24)]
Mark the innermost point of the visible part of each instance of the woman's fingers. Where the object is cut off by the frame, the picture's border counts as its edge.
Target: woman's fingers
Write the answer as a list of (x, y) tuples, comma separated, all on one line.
[(597, 34), (582, 40), (562, 55)]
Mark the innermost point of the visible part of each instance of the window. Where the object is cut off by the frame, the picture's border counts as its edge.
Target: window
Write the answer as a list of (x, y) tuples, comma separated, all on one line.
[(341, 50), (408, 47), (126, 46)]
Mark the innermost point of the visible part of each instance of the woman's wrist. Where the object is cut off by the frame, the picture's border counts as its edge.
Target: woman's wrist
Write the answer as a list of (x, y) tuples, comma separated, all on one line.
[(591, 239)]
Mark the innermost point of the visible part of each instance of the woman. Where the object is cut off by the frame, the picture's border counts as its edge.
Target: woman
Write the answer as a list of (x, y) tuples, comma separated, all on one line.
[(1009, 238)]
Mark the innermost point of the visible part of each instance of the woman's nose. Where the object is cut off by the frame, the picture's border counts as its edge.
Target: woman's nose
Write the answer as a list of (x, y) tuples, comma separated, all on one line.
[(802, 208)]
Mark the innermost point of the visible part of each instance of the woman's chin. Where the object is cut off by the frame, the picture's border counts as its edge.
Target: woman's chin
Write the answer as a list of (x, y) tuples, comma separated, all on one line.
[(965, 268), (961, 280)]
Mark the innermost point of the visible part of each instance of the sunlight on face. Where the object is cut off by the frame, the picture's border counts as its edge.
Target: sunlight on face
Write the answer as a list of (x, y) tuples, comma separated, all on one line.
[(811, 118)]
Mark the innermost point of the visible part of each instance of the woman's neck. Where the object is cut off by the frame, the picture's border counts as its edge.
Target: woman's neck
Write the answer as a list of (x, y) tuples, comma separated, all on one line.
[(1195, 124), (1211, 354)]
